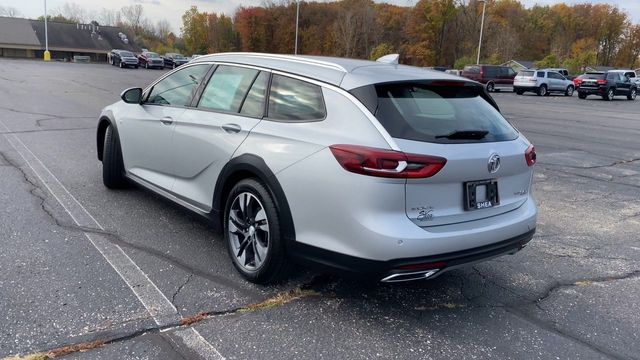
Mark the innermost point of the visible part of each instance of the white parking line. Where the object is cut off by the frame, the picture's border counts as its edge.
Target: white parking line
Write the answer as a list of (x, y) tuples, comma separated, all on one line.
[(159, 307)]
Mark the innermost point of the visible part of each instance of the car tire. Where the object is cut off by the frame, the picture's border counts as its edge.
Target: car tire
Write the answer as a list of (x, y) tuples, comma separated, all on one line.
[(112, 164), (491, 87), (174, 65), (136, 66), (569, 91), (519, 92), (121, 65), (608, 96), (582, 95), (632, 94), (146, 65), (256, 259), (542, 90)]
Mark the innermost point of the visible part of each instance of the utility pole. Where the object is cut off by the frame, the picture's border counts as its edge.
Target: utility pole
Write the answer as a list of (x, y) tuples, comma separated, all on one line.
[(47, 54), (295, 50), (484, 6)]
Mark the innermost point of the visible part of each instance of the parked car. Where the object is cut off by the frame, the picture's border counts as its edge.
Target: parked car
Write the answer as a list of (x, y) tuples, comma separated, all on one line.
[(564, 72), (631, 74), (454, 72), (173, 60), (542, 82), (425, 177), (607, 84), (494, 77), (151, 60), (123, 58)]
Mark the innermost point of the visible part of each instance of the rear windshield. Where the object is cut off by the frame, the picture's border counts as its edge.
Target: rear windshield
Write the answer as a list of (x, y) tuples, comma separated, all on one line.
[(423, 112), (593, 76), (525, 73), (472, 69)]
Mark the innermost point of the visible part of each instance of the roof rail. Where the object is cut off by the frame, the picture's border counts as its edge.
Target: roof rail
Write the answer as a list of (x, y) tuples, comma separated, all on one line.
[(292, 58)]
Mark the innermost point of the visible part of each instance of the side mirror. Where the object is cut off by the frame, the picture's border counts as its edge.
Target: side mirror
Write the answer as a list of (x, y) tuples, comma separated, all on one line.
[(132, 96)]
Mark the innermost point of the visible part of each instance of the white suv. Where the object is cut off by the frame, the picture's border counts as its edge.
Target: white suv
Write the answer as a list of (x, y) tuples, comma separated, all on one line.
[(542, 82), (366, 168)]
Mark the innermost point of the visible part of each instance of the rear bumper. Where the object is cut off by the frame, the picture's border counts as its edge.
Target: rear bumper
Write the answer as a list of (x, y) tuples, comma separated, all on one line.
[(525, 88), (591, 90), (392, 270)]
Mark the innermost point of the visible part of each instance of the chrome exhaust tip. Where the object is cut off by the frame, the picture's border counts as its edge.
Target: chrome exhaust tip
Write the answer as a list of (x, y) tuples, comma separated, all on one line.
[(410, 276)]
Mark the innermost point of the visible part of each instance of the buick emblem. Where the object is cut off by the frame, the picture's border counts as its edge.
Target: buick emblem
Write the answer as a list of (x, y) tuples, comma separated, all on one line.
[(494, 163)]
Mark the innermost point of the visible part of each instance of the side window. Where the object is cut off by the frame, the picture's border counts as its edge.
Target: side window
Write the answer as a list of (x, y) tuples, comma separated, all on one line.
[(511, 72), (227, 88), (491, 72), (254, 102), (292, 99), (631, 75), (540, 74), (555, 76), (612, 77), (178, 88)]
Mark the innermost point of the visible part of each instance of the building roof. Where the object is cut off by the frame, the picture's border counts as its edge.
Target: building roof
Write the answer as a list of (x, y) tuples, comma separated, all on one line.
[(346, 73), (522, 63), (17, 31), (62, 36)]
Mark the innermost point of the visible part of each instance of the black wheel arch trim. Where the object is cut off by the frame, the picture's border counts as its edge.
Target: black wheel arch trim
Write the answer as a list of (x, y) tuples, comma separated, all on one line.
[(103, 123), (249, 165)]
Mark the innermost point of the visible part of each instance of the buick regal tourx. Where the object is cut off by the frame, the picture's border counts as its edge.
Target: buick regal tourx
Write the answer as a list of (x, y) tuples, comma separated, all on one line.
[(370, 169)]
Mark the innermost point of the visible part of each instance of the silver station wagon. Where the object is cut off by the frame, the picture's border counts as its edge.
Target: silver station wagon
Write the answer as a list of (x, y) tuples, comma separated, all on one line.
[(365, 168)]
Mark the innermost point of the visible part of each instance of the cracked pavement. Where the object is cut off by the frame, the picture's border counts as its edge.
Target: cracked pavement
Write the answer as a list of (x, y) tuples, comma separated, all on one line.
[(572, 293)]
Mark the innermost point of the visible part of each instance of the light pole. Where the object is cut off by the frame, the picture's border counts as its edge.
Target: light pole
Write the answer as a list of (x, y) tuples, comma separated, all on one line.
[(484, 6), (47, 55), (295, 50)]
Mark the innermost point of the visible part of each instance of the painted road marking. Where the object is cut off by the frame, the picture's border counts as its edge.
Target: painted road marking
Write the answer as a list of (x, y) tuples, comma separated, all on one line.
[(162, 311)]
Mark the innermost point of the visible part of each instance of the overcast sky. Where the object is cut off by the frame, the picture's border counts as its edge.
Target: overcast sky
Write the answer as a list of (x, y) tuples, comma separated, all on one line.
[(172, 10)]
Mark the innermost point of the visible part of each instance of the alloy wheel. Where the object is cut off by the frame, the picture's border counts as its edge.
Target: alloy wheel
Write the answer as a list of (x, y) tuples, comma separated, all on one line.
[(570, 91), (248, 228), (610, 94)]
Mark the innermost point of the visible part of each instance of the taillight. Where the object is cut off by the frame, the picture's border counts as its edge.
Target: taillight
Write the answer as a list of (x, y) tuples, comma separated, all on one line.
[(530, 155), (601, 82), (386, 163), (577, 81)]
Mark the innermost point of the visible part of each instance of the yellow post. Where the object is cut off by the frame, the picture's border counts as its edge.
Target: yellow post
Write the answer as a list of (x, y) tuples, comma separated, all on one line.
[(47, 56)]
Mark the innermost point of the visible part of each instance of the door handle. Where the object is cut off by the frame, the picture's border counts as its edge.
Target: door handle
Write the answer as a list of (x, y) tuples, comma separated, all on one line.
[(231, 128), (167, 120)]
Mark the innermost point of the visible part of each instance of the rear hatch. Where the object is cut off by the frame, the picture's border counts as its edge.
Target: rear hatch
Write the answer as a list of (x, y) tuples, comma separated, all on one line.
[(592, 80), (525, 78), (486, 172)]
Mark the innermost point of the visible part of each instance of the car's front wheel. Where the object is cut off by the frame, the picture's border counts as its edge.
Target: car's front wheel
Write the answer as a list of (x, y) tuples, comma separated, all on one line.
[(632, 94), (569, 91), (582, 95), (112, 164), (252, 233)]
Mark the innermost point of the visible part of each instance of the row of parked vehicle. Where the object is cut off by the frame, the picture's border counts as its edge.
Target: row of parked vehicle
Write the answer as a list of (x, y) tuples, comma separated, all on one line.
[(607, 84), (146, 59)]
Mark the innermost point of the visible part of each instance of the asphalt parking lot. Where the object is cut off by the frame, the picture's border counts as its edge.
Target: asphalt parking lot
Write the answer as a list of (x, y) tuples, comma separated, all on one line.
[(129, 273)]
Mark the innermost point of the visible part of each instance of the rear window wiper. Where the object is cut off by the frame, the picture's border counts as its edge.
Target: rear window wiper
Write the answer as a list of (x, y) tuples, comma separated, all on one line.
[(465, 135)]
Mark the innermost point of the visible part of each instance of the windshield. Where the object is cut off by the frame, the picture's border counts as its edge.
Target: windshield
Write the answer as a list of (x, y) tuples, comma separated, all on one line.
[(442, 114), (178, 56), (126, 54), (152, 55)]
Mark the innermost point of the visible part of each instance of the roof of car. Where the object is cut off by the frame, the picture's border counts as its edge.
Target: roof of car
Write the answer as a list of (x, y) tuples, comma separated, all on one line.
[(346, 73)]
